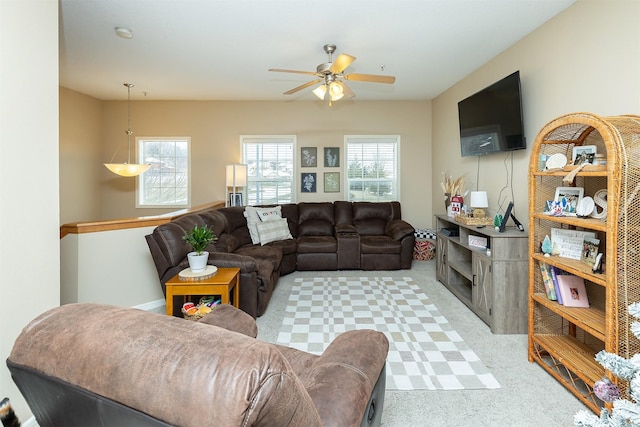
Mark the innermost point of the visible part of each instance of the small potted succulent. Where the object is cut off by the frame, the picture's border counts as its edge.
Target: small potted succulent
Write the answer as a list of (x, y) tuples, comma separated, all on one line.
[(199, 238)]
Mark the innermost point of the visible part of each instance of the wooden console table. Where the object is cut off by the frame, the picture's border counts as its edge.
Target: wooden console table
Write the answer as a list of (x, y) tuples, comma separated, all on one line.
[(493, 282)]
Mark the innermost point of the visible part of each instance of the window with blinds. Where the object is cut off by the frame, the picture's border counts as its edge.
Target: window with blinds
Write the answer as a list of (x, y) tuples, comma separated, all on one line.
[(372, 167), (270, 168)]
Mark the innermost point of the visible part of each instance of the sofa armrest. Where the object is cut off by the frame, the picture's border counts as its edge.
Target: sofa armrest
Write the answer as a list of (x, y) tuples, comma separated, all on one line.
[(346, 229), (398, 229), (246, 264), (343, 378), (232, 319)]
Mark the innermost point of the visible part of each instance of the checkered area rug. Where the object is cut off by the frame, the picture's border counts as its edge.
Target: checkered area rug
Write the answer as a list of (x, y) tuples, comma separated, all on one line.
[(425, 353)]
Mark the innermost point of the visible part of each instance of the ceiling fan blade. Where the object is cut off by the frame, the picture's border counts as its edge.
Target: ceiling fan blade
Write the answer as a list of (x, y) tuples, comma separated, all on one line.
[(373, 78), (280, 70), (303, 86), (347, 92), (341, 63)]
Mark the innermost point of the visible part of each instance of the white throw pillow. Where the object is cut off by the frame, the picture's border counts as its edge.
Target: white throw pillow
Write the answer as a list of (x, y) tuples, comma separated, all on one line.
[(273, 230), (269, 214), (252, 223)]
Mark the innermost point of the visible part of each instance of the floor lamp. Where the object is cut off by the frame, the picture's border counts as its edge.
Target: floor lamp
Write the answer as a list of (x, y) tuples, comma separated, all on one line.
[(236, 178)]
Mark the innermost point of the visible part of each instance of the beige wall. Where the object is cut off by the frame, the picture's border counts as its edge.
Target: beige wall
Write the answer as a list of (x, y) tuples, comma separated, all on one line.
[(215, 128), (585, 59), (80, 131), (29, 221)]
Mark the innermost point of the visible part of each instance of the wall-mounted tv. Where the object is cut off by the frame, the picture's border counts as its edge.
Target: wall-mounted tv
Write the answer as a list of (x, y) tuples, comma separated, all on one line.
[(491, 119)]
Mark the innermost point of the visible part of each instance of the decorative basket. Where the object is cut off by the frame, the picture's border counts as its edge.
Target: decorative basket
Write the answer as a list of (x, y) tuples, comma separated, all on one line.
[(424, 250), (197, 312), (469, 220)]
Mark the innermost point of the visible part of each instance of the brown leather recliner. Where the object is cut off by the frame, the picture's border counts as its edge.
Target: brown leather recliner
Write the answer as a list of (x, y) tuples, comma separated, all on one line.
[(99, 365)]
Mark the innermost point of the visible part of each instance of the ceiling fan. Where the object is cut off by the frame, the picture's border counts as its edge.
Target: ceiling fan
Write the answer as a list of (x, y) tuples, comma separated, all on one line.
[(331, 75)]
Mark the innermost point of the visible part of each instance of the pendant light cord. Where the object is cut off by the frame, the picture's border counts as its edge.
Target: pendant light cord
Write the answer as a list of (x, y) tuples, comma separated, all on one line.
[(129, 132)]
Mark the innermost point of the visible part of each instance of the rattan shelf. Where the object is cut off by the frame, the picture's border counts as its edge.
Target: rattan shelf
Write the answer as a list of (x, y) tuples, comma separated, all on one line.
[(570, 362), (564, 340), (574, 267), (592, 320), (573, 221)]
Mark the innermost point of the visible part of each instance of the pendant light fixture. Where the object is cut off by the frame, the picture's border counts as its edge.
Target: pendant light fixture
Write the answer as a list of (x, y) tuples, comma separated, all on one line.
[(127, 169)]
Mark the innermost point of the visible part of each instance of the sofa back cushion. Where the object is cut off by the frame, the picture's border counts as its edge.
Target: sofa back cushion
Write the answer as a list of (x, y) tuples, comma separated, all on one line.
[(169, 237), (371, 218), (237, 224), (343, 212), (315, 219)]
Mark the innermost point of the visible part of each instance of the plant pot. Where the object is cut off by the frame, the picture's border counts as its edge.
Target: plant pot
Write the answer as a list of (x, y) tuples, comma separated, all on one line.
[(197, 262)]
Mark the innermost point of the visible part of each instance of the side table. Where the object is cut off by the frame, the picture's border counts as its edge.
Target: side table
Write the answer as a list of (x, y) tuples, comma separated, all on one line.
[(223, 282)]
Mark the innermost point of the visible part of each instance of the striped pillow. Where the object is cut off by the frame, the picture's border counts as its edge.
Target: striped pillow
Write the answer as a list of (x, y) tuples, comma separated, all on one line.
[(271, 231)]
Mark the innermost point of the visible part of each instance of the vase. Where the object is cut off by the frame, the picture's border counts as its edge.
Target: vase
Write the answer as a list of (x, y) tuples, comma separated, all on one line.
[(447, 201), (198, 263)]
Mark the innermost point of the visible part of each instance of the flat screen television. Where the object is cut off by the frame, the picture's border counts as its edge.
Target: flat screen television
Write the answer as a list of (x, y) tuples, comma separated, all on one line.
[(491, 119)]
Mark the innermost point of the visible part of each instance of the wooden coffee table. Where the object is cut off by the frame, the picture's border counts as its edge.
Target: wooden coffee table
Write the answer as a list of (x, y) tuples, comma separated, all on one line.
[(223, 282)]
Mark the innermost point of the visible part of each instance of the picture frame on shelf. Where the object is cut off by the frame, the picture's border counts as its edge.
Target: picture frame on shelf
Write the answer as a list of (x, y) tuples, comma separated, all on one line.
[(332, 157), (308, 182), (584, 154), (332, 182), (309, 157), (590, 250), (568, 198), (235, 199)]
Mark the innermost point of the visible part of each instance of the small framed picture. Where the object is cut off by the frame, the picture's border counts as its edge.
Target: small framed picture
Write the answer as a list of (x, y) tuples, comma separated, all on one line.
[(308, 182), (235, 199), (332, 182), (568, 199), (584, 154), (309, 157), (332, 157)]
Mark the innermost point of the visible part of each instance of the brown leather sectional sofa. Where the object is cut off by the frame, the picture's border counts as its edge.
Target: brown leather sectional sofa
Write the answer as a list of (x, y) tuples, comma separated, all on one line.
[(324, 236)]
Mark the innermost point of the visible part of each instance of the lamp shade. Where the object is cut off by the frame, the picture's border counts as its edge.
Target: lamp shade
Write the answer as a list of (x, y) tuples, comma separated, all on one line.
[(479, 199), (236, 175), (320, 91), (127, 169)]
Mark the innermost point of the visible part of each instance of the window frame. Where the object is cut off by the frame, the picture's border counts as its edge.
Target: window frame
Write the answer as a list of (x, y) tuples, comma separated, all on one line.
[(246, 140), (372, 139), (140, 151)]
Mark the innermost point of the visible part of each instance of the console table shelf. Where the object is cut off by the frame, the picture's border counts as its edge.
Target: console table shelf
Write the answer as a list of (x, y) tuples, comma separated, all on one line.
[(493, 286)]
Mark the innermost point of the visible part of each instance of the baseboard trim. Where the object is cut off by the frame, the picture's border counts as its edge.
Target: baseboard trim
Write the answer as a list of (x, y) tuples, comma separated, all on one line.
[(31, 422), (151, 305)]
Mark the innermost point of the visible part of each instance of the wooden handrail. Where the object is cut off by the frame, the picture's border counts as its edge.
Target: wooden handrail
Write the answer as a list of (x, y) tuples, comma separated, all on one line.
[(122, 224)]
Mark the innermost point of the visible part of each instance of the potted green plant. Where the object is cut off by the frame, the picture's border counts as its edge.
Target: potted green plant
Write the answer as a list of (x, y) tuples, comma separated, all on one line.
[(199, 238)]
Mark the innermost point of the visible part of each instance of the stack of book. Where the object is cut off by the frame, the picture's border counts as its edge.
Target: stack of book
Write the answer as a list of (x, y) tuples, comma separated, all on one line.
[(568, 289)]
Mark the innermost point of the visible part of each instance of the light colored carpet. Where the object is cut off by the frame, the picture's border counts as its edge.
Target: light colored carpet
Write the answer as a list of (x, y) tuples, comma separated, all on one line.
[(528, 396), (425, 352)]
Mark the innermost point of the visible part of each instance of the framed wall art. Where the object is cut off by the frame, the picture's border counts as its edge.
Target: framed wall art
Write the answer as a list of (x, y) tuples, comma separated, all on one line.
[(332, 157), (309, 157), (332, 182), (308, 182)]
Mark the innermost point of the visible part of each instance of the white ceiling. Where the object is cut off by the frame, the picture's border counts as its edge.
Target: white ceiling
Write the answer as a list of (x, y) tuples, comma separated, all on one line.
[(222, 49)]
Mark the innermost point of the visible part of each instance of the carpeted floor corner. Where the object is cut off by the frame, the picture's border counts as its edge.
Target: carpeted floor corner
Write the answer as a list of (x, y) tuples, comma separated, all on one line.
[(425, 352)]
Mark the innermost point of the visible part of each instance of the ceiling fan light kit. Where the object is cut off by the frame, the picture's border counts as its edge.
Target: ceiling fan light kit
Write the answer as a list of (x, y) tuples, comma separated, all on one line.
[(330, 75)]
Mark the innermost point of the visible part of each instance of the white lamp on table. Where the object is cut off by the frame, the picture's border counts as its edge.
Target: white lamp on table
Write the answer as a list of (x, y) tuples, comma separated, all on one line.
[(478, 203)]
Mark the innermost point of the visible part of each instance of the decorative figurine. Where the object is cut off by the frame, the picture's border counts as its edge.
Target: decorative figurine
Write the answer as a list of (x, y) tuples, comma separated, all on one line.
[(546, 247)]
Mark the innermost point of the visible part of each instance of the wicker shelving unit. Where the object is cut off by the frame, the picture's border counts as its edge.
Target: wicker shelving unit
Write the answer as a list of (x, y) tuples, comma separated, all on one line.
[(564, 340)]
